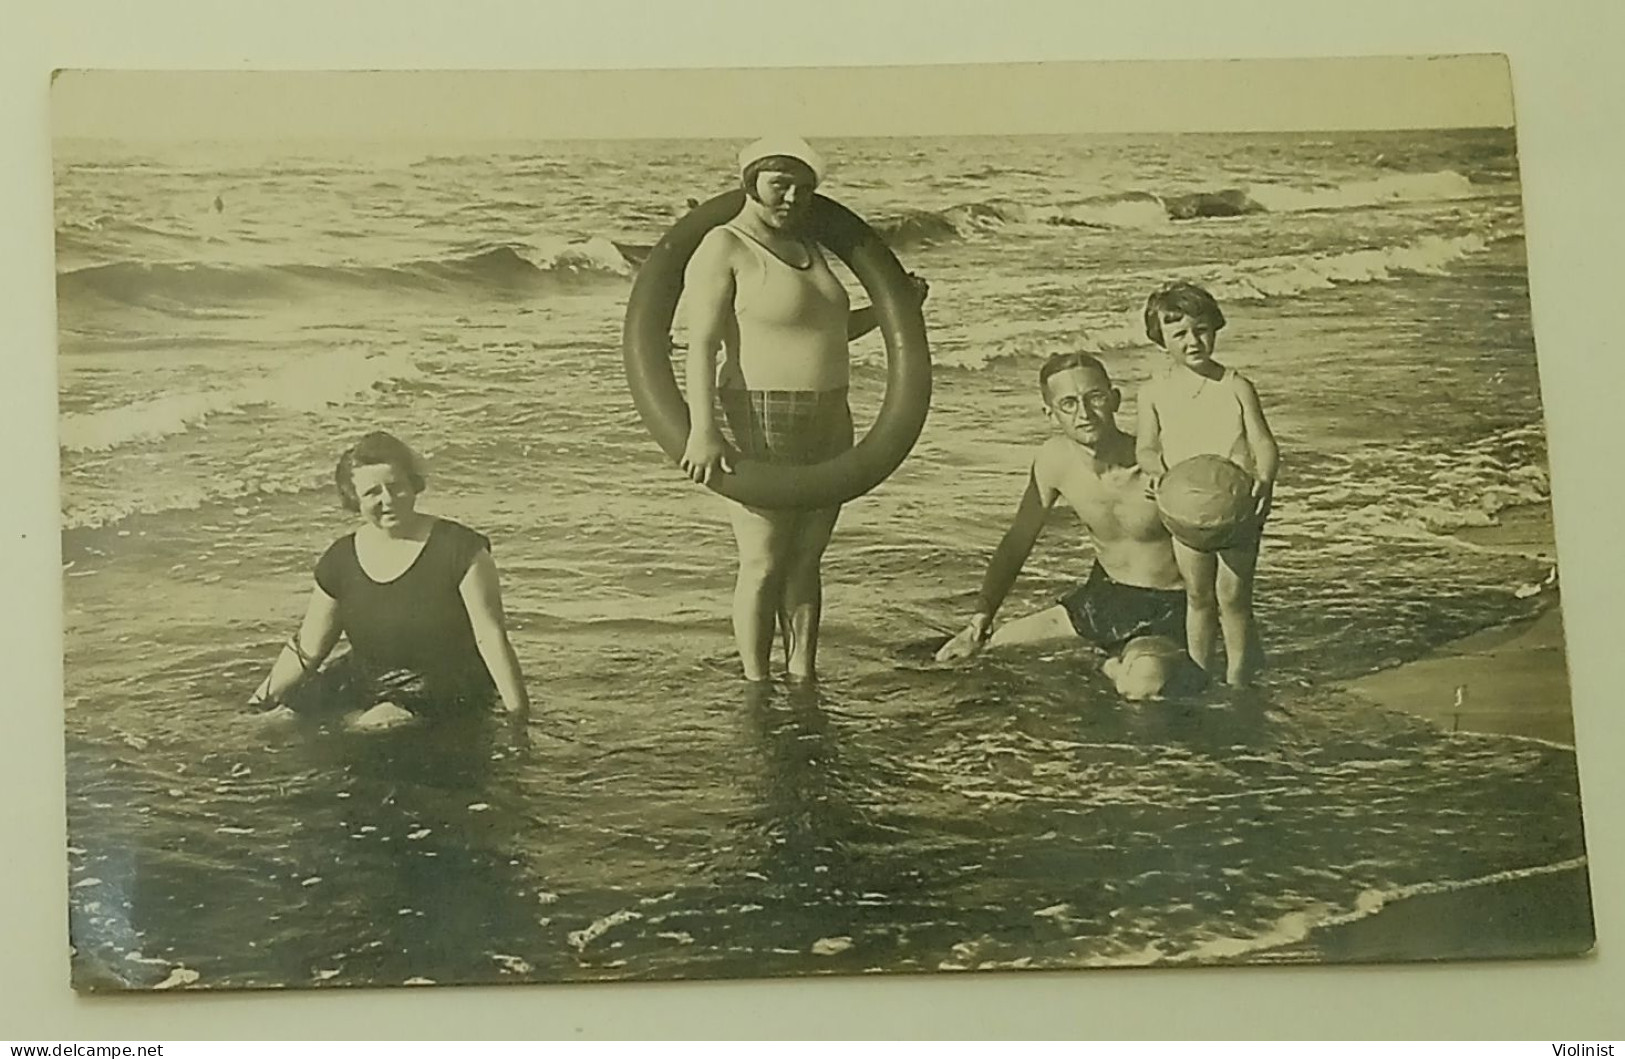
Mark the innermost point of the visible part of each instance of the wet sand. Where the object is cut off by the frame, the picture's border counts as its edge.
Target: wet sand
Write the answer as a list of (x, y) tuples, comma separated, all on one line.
[(1511, 681), (1508, 681)]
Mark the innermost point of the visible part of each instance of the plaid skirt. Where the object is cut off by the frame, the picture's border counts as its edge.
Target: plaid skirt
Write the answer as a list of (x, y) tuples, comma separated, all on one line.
[(787, 426)]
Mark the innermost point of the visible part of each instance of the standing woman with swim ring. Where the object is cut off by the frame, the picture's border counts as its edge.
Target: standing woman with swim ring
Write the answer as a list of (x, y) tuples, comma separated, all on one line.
[(760, 292)]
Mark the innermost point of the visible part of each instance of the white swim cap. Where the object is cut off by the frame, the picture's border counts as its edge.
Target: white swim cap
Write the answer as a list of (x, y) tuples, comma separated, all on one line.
[(788, 146)]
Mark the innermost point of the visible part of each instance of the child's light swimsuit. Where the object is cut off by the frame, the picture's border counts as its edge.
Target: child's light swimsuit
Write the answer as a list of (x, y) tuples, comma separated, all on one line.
[(1204, 418)]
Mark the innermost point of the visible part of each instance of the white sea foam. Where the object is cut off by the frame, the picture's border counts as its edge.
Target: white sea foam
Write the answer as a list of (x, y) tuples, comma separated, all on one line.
[(1297, 926), (1253, 280), (306, 385), (1442, 186)]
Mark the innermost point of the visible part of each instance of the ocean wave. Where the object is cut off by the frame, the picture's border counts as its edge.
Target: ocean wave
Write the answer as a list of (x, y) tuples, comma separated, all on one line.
[(182, 287), (112, 224), (97, 239), (1161, 915), (91, 514), (914, 228), (1440, 490), (1252, 280), (484, 160), (307, 385), (1441, 186), (156, 267), (993, 172), (1296, 927), (1135, 209), (1151, 208)]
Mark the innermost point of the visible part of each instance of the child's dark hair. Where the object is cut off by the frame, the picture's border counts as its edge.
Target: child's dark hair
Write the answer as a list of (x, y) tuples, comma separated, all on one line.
[(1180, 299), (1059, 362), (376, 449)]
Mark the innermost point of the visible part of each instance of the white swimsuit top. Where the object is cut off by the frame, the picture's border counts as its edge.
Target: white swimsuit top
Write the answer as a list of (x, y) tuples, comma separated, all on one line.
[(1203, 417), (790, 314)]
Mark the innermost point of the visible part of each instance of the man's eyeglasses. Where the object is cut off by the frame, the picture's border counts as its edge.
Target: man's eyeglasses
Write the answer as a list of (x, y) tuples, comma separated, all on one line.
[(1068, 405)]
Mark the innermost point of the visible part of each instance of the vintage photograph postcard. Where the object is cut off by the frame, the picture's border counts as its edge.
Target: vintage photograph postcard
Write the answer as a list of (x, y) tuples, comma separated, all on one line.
[(538, 527)]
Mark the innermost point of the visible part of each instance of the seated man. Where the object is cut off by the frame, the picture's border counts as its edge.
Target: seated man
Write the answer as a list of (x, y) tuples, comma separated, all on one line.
[(1132, 605)]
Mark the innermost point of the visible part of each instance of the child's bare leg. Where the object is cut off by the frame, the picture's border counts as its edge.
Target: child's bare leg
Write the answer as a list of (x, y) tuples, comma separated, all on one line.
[(1199, 571), (1243, 646)]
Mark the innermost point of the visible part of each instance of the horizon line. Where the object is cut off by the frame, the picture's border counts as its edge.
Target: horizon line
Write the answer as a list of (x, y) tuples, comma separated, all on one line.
[(615, 138)]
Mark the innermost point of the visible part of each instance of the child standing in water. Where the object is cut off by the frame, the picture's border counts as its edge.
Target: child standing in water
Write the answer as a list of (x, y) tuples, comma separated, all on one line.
[(1194, 406)]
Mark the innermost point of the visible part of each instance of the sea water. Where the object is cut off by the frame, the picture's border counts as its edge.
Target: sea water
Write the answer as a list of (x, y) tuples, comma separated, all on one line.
[(215, 356)]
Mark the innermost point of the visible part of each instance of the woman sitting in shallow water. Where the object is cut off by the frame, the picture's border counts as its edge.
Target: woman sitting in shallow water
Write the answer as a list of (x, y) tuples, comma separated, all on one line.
[(418, 598)]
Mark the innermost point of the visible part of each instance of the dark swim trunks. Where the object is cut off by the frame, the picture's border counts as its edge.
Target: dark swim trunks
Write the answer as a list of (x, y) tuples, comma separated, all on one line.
[(1109, 615), (787, 426)]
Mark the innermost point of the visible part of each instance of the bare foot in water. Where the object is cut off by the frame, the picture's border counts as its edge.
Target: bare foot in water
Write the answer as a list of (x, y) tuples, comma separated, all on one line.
[(380, 718)]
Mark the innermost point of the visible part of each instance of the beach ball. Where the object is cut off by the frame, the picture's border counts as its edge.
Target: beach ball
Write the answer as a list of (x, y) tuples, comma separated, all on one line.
[(1204, 500)]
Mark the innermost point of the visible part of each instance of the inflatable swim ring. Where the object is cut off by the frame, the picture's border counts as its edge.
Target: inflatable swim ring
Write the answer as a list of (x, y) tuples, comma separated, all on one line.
[(646, 348)]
